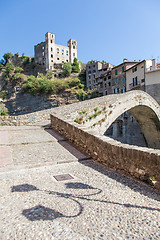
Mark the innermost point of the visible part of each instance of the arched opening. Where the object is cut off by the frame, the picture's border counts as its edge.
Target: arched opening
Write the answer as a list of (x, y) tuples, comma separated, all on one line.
[(138, 126), (126, 129)]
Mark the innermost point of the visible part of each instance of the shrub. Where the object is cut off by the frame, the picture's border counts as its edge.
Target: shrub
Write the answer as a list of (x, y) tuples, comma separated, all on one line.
[(7, 74), (18, 77), (26, 60), (49, 74), (3, 94), (67, 69), (7, 56), (18, 70), (74, 82), (9, 68), (75, 66), (82, 95), (1, 66)]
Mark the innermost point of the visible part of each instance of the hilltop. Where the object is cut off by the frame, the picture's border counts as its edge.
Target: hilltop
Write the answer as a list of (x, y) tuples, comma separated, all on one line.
[(26, 86)]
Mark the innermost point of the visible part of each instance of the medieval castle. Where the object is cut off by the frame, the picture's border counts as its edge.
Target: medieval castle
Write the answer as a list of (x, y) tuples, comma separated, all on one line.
[(48, 53)]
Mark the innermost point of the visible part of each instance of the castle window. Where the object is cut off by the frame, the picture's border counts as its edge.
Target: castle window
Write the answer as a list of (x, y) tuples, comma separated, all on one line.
[(62, 53), (62, 61), (51, 55), (67, 60), (52, 36), (51, 49), (51, 41), (74, 47), (57, 58), (51, 60)]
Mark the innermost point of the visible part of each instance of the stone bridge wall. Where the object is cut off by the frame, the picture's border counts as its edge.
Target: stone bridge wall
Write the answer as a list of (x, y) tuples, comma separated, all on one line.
[(139, 162)]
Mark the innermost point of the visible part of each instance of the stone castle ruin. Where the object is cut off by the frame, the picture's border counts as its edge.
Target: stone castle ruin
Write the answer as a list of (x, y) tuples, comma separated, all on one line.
[(49, 53)]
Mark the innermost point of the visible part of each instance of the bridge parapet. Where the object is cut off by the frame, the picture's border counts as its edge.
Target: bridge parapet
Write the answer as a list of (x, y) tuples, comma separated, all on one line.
[(140, 162)]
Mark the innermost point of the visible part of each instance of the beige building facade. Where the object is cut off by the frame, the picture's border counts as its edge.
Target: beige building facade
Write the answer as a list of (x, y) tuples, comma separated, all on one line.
[(49, 53)]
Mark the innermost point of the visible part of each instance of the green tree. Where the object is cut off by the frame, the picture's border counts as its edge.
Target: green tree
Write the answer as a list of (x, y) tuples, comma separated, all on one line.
[(75, 66), (67, 69), (18, 70), (7, 56), (49, 74)]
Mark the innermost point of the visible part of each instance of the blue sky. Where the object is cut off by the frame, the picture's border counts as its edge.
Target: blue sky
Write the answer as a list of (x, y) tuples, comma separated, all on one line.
[(105, 30)]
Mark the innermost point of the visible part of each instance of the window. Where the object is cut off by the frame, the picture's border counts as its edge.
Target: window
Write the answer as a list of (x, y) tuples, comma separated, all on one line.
[(57, 58), (51, 49), (116, 90), (51, 41), (89, 72), (135, 69), (123, 69), (109, 84), (123, 90), (105, 85), (105, 79), (67, 60), (73, 47), (50, 67), (57, 49), (123, 80), (51, 60), (89, 67), (93, 65), (67, 52), (89, 77), (135, 81), (106, 92), (51, 55), (94, 71), (62, 61), (116, 80), (109, 77), (62, 50), (94, 76), (116, 72), (74, 54)]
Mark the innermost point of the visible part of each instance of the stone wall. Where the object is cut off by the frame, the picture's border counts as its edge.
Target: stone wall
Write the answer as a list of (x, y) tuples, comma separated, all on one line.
[(139, 162), (26, 119)]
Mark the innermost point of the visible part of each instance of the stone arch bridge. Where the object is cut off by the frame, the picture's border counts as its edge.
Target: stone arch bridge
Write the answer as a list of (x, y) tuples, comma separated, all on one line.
[(90, 119)]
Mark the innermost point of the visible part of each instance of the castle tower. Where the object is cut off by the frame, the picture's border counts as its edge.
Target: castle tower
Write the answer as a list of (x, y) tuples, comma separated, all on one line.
[(49, 49), (72, 44)]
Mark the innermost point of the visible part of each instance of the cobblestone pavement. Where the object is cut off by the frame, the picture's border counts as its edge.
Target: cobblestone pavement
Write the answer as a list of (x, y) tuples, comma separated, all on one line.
[(28, 146), (96, 203)]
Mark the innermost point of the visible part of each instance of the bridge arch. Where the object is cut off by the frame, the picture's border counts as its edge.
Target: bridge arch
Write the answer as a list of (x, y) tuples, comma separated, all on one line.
[(145, 110)]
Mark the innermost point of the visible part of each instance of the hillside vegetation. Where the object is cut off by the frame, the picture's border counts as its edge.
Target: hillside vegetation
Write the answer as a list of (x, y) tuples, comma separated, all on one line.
[(22, 73)]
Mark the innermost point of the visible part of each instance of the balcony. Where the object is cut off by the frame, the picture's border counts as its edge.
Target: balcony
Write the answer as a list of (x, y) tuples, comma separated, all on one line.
[(134, 85)]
